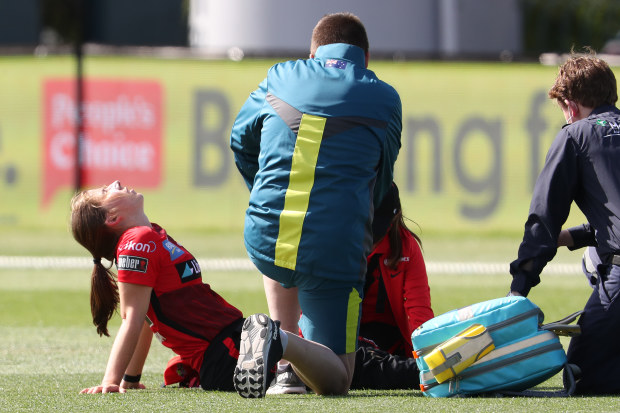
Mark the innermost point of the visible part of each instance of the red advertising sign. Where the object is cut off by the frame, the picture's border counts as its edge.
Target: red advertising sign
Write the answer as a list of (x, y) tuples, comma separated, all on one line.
[(122, 139)]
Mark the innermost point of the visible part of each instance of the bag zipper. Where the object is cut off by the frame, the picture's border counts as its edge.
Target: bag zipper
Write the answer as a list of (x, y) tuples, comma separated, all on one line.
[(497, 326)]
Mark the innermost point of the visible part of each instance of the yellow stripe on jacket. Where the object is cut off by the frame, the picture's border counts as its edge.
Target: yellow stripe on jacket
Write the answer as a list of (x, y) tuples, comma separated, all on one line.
[(301, 180)]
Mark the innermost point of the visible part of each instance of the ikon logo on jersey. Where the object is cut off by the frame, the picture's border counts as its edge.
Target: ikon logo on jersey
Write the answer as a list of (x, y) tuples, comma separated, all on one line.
[(131, 263), (188, 270), (140, 247)]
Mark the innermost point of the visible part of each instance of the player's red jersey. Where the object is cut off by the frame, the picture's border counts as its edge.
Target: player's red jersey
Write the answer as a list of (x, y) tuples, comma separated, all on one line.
[(185, 313)]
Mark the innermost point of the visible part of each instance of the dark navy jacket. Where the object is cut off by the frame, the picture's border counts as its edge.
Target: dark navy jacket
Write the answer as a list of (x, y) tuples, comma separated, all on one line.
[(582, 165)]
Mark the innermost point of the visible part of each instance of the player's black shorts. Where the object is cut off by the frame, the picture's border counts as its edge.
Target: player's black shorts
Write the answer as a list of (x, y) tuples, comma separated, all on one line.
[(220, 359)]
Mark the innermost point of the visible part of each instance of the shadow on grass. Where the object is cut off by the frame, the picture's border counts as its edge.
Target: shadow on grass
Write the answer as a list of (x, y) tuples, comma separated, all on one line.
[(376, 393)]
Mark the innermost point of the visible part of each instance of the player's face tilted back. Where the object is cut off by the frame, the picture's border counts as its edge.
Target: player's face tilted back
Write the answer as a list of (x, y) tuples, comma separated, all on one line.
[(119, 200)]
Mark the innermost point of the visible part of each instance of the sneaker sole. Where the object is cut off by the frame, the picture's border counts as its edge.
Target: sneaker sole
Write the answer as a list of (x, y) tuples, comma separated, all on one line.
[(286, 390), (249, 377)]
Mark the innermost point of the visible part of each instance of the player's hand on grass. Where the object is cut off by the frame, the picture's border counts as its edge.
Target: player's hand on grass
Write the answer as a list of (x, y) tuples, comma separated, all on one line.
[(113, 388), (104, 388), (132, 386)]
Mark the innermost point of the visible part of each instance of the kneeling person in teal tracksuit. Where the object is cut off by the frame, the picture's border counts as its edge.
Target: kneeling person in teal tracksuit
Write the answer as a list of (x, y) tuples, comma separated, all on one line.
[(316, 145)]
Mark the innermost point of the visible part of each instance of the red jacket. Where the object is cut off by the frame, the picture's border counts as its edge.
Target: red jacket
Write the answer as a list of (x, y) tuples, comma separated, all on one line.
[(406, 288)]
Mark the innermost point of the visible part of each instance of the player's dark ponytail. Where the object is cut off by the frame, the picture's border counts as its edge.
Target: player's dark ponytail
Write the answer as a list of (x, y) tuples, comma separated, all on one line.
[(103, 297), (395, 239), (89, 229)]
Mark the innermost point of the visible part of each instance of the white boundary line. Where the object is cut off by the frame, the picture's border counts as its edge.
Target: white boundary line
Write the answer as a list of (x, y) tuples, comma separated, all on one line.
[(244, 264)]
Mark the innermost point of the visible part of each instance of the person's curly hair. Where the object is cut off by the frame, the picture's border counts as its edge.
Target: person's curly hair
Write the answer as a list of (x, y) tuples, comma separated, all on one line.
[(587, 80)]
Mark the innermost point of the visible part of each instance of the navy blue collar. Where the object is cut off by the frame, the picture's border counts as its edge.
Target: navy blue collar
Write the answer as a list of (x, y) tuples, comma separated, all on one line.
[(603, 109)]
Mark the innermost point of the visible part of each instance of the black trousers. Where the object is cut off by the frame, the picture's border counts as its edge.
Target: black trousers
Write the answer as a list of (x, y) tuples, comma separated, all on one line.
[(377, 369), (597, 350)]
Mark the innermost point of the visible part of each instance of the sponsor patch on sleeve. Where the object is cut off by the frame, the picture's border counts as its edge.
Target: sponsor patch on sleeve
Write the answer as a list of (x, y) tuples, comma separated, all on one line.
[(188, 270), (175, 251), (131, 263)]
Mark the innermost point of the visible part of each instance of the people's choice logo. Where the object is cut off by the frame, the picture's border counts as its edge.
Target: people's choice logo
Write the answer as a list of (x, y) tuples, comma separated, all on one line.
[(122, 133)]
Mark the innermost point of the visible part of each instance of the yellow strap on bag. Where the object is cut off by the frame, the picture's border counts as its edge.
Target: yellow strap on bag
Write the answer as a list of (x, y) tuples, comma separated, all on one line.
[(459, 352)]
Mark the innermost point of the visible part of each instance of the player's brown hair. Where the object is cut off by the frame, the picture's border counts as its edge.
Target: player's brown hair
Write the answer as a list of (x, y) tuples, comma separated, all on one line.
[(388, 222), (339, 28), (89, 230), (585, 79), (395, 239)]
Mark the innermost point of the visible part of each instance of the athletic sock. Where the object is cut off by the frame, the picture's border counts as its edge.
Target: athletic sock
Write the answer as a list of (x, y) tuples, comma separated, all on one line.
[(283, 340), (282, 365)]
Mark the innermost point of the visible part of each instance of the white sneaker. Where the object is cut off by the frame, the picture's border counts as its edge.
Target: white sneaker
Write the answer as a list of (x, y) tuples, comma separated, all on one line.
[(287, 382), (260, 350)]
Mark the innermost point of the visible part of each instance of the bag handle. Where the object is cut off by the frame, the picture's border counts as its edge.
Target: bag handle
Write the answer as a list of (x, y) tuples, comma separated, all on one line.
[(564, 327)]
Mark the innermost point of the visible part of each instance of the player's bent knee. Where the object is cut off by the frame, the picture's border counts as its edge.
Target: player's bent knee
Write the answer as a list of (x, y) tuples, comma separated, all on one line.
[(340, 388)]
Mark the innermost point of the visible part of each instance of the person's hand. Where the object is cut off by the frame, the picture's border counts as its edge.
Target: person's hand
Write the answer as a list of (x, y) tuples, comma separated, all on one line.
[(104, 388), (514, 294), (132, 386)]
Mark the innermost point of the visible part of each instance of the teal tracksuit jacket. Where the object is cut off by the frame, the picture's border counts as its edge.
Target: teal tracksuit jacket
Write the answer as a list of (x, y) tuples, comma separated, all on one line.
[(316, 145)]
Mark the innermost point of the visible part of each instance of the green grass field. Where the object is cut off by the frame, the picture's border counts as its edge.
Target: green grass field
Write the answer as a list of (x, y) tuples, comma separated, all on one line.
[(50, 350)]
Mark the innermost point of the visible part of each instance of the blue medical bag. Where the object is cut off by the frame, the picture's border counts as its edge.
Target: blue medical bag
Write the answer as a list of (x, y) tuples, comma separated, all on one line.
[(524, 355)]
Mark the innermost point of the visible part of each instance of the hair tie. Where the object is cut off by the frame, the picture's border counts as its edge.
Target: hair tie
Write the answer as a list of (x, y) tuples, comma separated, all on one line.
[(96, 261)]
